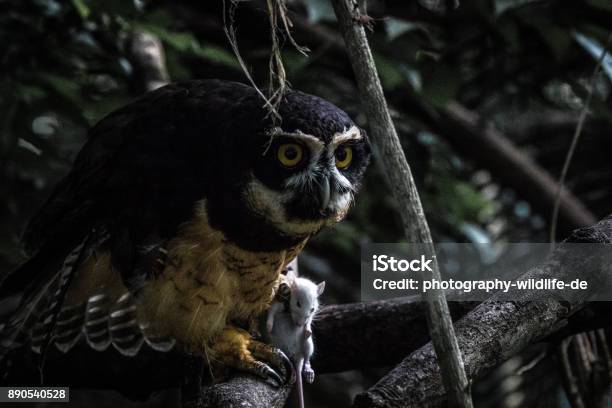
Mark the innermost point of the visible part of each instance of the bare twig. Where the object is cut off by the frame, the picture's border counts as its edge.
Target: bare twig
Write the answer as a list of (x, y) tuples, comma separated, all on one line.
[(532, 363), (415, 225), (602, 342), (277, 82), (575, 139), (570, 383), (230, 33)]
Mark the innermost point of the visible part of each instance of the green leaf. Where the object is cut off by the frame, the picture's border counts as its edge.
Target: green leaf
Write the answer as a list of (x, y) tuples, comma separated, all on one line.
[(390, 75), (215, 54), (81, 8), (68, 89), (460, 200), (187, 43), (30, 93)]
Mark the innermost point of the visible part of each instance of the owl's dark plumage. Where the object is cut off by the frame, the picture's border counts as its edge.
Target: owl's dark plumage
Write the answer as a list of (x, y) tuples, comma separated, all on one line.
[(197, 163)]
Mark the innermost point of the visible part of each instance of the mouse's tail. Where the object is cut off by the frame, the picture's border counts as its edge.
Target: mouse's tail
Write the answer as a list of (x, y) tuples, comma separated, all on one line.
[(298, 381)]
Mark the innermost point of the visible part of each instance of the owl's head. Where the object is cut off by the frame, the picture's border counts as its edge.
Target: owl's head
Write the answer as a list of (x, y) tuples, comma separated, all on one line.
[(298, 175)]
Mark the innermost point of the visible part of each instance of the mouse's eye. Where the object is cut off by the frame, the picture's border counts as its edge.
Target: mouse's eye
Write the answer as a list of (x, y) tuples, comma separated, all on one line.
[(312, 310), (299, 304)]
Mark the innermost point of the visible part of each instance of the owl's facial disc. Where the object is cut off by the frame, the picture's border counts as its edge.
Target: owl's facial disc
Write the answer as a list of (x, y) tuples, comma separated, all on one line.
[(302, 183)]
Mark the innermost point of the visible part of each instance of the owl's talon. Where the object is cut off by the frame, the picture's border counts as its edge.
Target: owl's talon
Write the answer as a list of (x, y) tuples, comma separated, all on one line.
[(276, 358), (235, 348), (288, 367), (269, 375)]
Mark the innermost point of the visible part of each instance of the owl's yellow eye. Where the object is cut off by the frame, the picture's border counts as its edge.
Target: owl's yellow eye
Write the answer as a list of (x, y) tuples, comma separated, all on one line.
[(344, 156), (290, 154)]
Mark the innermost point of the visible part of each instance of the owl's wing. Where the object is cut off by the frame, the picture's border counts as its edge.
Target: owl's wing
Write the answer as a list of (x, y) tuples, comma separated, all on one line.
[(131, 186)]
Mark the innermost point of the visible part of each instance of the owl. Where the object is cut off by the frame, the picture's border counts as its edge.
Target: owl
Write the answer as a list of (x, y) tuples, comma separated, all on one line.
[(176, 220)]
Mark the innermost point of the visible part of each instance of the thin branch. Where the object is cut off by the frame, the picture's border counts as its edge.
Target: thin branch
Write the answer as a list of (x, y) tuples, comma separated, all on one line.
[(572, 389), (570, 382), (575, 139), (230, 32), (245, 391), (415, 225), (277, 79), (533, 363)]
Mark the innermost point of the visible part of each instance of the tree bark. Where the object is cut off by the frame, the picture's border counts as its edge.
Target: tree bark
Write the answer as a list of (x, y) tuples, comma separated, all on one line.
[(498, 329), (396, 167), (247, 392)]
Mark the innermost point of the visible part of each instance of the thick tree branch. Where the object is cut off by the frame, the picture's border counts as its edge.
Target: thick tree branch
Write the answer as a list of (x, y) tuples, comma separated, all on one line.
[(348, 336), (498, 329), (245, 391)]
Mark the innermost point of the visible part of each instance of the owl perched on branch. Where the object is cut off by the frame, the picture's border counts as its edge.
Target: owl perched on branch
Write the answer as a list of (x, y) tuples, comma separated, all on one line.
[(176, 220)]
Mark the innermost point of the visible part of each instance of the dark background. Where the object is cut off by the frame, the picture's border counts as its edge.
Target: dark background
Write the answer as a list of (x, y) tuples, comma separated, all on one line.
[(523, 66)]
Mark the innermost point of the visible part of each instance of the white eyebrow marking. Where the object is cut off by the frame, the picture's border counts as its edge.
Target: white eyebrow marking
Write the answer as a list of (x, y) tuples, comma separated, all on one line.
[(352, 133), (313, 142)]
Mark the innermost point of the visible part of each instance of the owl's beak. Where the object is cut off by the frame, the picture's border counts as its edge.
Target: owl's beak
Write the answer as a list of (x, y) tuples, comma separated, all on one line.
[(324, 193)]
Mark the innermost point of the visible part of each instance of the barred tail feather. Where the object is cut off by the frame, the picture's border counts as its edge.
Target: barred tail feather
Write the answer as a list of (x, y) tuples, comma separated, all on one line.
[(103, 323), (41, 318), (41, 302), (69, 327)]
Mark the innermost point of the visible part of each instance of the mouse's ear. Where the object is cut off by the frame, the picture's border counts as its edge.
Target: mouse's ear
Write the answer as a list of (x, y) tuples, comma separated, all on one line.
[(291, 273), (320, 288)]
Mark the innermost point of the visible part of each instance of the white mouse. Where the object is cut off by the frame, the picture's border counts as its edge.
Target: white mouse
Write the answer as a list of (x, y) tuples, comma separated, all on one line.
[(288, 326)]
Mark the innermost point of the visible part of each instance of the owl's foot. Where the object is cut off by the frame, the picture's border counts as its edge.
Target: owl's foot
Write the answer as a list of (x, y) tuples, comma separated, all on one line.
[(235, 348), (275, 357)]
